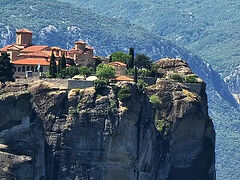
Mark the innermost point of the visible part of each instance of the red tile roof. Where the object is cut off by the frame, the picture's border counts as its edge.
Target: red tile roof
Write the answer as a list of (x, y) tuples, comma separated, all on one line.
[(4, 49), (117, 63), (34, 48), (36, 61), (24, 31), (55, 48), (29, 61), (37, 54), (122, 78), (80, 42)]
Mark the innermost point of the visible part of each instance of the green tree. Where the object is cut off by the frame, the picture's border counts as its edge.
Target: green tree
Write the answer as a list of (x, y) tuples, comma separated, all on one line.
[(62, 63), (105, 71), (6, 68), (131, 60), (86, 71), (53, 66), (110, 59), (143, 61), (120, 56), (72, 71)]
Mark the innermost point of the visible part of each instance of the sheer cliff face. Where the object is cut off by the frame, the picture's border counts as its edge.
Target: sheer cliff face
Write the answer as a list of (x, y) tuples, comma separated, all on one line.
[(49, 133)]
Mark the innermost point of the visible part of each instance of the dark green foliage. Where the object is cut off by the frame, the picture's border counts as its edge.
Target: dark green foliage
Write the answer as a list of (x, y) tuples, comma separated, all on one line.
[(183, 78), (86, 71), (62, 63), (121, 57), (135, 74), (155, 100), (100, 85), (131, 60), (191, 79), (110, 59), (105, 71), (53, 66), (72, 71), (177, 77), (68, 72), (124, 94), (142, 84), (143, 61), (6, 68)]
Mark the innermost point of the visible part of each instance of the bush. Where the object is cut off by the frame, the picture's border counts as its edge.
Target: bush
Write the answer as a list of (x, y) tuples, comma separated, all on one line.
[(100, 85), (177, 77), (191, 79), (142, 84), (85, 71), (105, 71), (155, 100), (124, 94)]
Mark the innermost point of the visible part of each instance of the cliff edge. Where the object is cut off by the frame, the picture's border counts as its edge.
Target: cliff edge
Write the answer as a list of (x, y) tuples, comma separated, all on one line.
[(124, 132)]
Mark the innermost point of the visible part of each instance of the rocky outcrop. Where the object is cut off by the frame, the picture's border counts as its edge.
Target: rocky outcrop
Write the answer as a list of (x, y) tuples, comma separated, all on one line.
[(47, 132)]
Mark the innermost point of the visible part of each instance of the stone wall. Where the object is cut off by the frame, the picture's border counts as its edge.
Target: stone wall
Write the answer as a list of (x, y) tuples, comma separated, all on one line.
[(79, 84)]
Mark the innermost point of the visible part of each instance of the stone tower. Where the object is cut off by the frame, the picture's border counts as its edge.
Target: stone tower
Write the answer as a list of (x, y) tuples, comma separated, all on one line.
[(24, 37)]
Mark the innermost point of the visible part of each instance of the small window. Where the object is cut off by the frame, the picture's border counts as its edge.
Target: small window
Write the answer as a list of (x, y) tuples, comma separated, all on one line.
[(23, 69), (19, 69), (28, 68)]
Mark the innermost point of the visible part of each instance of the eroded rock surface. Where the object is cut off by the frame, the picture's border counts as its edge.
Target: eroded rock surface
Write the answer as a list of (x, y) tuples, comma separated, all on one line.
[(47, 132)]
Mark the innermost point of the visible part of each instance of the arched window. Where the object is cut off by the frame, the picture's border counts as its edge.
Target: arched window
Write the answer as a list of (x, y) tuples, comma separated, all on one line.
[(23, 69)]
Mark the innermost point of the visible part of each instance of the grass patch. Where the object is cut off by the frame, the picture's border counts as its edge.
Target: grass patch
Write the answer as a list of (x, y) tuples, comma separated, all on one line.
[(155, 100)]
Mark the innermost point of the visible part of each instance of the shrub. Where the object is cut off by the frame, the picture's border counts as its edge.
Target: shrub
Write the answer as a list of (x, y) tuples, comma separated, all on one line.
[(191, 79), (105, 71), (142, 84), (155, 100), (177, 77), (124, 94), (100, 85), (85, 71)]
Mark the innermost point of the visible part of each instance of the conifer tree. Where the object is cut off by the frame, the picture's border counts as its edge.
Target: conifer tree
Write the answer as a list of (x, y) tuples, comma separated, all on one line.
[(53, 66), (62, 63), (6, 68), (131, 61), (110, 59)]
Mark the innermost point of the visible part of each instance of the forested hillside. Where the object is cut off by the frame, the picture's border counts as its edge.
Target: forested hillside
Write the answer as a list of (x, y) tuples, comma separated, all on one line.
[(208, 28), (60, 24)]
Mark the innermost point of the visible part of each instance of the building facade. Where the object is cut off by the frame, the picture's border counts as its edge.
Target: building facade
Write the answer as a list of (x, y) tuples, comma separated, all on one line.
[(27, 57)]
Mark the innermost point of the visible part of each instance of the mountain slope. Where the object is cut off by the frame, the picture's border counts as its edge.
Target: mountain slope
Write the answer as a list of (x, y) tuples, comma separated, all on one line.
[(67, 24), (208, 28), (61, 24)]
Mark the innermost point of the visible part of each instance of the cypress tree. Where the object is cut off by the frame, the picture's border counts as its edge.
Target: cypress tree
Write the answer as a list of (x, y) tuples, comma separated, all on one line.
[(53, 66), (131, 61), (110, 59), (6, 68), (62, 63)]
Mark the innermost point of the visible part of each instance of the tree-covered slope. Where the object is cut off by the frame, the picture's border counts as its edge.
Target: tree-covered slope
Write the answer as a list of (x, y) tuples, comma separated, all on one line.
[(60, 24), (208, 28)]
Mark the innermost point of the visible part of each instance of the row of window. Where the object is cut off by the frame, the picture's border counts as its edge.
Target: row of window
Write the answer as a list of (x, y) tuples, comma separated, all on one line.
[(28, 68)]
